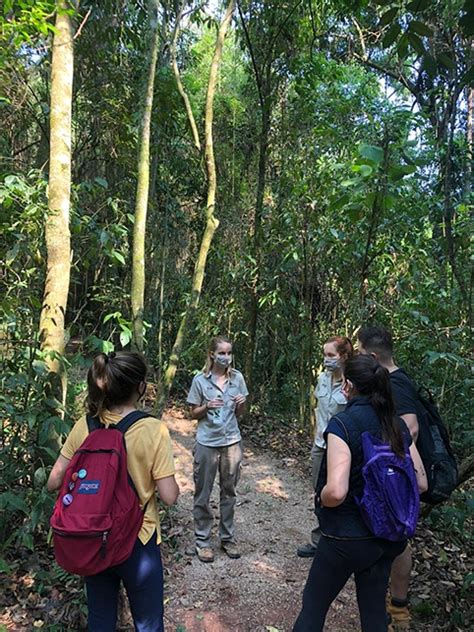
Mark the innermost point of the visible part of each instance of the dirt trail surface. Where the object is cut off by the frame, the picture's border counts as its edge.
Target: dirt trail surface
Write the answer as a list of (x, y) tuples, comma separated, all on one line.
[(261, 591)]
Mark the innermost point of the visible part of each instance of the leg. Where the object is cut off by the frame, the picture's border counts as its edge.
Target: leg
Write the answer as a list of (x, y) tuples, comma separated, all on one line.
[(205, 468), (229, 474), (142, 576), (102, 601), (372, 581), (397, 605), (329, 572), (400, 575), (317, 455)]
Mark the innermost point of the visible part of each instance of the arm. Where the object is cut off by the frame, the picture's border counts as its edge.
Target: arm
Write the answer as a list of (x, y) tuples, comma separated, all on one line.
[(339, 467), (419, 469), (198, 412), (56, 475), (411, 421), (167, 489), (240, 404)]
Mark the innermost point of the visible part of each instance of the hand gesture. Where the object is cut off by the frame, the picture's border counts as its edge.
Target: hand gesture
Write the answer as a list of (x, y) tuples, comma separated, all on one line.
[(239, 399), (214, 403)]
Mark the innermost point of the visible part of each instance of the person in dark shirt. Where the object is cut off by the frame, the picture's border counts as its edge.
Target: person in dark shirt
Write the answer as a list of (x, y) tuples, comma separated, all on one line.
[(347, 546), (377, 342)]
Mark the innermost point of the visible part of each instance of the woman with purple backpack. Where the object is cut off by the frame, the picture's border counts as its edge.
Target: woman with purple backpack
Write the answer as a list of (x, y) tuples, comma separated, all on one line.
[(347, 546)]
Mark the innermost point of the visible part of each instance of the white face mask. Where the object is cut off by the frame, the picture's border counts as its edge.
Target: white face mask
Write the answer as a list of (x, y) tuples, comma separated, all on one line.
[(331, 364), (223, 360)]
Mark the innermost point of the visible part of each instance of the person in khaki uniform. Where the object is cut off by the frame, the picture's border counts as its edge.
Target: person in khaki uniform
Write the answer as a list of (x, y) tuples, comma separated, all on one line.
[(331, 400), (217, 397)]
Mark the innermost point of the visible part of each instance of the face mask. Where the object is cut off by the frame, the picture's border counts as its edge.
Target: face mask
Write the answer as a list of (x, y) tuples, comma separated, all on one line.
[(331, 364), (223, 360)]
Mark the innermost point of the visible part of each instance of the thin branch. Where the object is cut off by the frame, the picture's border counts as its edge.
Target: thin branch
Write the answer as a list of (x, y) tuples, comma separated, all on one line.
[(81, 25), (252, 57), (179, 83)]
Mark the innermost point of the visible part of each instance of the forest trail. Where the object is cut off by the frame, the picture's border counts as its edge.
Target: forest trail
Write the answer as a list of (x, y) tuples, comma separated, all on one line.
[(261, 591)]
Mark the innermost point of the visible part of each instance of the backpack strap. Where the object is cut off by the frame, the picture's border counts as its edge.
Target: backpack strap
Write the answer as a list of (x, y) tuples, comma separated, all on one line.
[(127, 422), (123, 425), (93, 423)]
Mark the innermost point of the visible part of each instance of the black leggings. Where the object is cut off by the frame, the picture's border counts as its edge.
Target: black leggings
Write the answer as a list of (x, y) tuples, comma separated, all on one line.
[(333, 564)]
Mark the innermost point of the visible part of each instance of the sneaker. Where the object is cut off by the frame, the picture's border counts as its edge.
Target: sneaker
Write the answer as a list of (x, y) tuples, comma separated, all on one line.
[(231, 550), (307, 550), (205, 553), (400, 617)]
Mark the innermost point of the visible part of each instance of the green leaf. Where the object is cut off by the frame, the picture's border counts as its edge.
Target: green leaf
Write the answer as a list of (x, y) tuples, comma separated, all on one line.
[(446, 60), (416, 43), (421, 28), (468, 77), (371, 152), (391, 35), (102, 182), (467, 23), (118, 256), (125, 337), (418, 5), (388, 16), (402, 46), (4, 568), (429, 64)]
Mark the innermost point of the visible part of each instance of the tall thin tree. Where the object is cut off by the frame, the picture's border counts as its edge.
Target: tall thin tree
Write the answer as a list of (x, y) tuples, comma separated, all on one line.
[(57, 235), (211, 220), (143, 185)]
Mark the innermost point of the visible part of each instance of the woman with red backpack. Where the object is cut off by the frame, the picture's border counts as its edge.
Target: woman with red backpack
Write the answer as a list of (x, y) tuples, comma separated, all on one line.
[(348, 546), (116, 383)]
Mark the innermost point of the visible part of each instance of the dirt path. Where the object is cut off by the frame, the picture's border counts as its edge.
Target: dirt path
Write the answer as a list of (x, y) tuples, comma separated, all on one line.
[(260, 592)]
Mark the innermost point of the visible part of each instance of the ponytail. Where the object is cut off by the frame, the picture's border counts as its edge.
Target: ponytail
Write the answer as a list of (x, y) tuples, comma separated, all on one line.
[(372, 380), (382, 401), (113, 379)]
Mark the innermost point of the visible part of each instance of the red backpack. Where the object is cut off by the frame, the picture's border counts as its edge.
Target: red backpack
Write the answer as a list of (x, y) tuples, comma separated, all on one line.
[(97, 516)]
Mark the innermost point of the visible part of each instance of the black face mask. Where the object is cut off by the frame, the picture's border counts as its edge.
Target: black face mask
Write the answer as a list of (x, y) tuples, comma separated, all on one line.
[(142, 393)]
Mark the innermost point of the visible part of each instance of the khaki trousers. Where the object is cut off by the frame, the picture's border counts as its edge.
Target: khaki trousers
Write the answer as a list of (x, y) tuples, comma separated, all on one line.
[(207, 461)]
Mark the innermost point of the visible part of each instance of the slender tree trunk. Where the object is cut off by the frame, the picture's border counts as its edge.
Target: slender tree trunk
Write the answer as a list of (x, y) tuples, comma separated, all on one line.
[(257, 246), (143, 187), (179, 83), (57, 235), (211, 221)]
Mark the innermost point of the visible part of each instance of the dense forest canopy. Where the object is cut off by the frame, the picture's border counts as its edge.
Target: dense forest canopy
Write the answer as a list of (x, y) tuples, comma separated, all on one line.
[(294, 172)]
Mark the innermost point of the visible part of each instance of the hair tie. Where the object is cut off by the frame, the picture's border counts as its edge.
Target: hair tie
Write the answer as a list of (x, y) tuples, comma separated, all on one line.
[(111, 355)]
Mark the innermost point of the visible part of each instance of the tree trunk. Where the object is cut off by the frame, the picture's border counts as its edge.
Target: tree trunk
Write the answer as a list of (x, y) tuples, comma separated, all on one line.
[(143, 186), (257, 246), (211, 221), (57, 235)]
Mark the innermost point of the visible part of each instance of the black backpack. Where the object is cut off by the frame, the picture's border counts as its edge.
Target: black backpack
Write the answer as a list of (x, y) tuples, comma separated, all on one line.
[(435, 451)]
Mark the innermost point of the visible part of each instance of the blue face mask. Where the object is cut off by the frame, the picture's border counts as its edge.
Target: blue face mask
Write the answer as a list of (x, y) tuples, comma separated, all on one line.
[(331, 364), (223, 360)]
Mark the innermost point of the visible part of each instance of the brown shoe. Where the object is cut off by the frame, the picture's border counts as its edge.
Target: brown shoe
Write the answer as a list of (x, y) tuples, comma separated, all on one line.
[(399, 617), (231, 550), (205, 553)]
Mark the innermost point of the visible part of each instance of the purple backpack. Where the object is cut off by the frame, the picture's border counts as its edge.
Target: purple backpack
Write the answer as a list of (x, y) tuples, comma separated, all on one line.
[(390, 502)]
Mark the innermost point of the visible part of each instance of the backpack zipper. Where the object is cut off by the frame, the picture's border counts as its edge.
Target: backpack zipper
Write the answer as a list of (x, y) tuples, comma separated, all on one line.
[(104, 544)]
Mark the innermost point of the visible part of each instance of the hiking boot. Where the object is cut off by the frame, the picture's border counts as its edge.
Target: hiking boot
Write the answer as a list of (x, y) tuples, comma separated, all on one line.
[(399, 617), (307, 550), (231, 550), (205, 553)]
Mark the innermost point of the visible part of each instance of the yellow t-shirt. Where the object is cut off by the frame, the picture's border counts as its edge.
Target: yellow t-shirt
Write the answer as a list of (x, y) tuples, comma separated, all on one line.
[(149, 458)]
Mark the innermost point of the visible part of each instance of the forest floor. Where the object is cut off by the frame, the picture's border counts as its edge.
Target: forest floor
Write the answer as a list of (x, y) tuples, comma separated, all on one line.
[(261, 591)]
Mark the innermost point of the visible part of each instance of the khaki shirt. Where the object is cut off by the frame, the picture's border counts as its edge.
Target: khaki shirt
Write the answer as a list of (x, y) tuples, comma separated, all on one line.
[(330, 402), (149, 458), (219, 427)]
